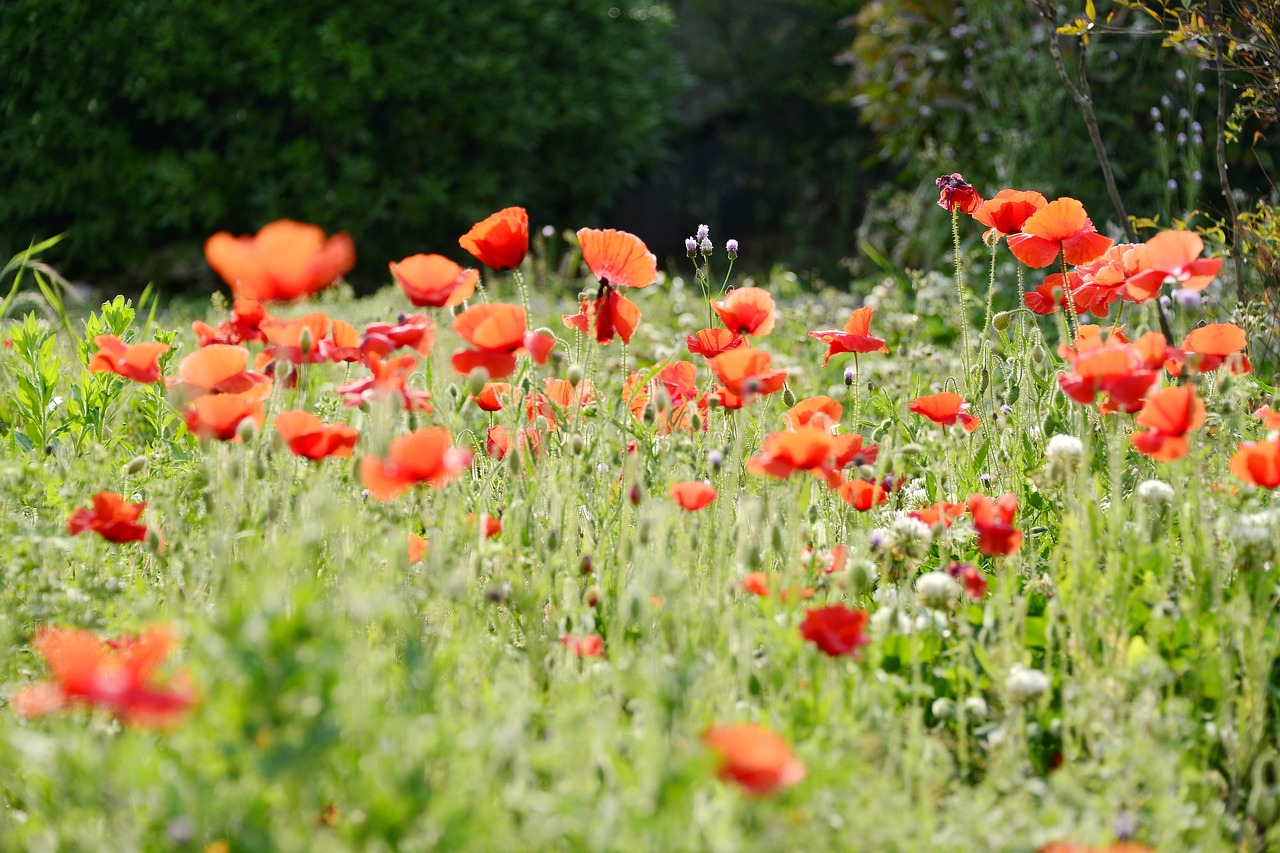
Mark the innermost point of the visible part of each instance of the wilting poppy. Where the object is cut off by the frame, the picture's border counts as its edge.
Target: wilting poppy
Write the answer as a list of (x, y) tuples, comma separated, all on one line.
[(692, 495), (139, 362), (993, 520), (417, 547), (820, 411), (747, 311), (837, 630), (220, 415), (1172, 256), (805, 448), (500, 240), (216, 369), (745, 373), (1258, 463), (945, 409), (957, 194), (284, 261), (854, 337), (590, 646), (112, 517), (434, 281), (310, 437), (1208, 347), (754, 757), (118, 675), (616, 259), (710, 343), (497, 333), (424, 456), (417, 332), (1169, 415), (243, 327), (862, 495), (1006, 212), (1060, 226), (387, 379)]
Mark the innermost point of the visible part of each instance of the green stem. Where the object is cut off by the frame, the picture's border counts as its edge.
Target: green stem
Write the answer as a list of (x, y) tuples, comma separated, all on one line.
[(960, 300)]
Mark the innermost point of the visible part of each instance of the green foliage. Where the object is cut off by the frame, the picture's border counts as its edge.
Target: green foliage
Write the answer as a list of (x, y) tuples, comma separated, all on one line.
[(136, 127)]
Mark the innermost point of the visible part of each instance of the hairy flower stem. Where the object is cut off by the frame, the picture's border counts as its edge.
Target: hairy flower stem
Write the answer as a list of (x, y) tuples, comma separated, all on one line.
[(857, 391), (524, 293), (1073, 316), (991, 289), (962, 309)]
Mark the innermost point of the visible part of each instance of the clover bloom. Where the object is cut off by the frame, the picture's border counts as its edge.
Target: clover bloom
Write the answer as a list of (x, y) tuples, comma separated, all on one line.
[(617, 259), (140, 362), (312, 438), (993, 520), (1061, 226), (434, 281), (945, 409), (284, 261), (500, 240), (754, 757), (692, 495), (1169, 416), (837, 630), (957, 194), (1258, 463), (112, 517), (855, 337), (747, 311), (424, 456), (117, 675), (497, 333)]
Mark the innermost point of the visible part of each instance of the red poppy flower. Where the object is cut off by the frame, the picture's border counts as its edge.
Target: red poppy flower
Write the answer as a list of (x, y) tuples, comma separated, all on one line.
[(140, 362), (119, 676), (754, 757), (1060, 226), (590, 646), (220, 415), (943, 513), (747, 311), (945, 409), (295, 340), (957, 194), (500, 240), (848, 449), (216, 369), (617, 258), (1208, 347), (806, 448), (862, 495), (1105, 278), (284, 261), (744, 373), (993, 520), (497, 441), (975, 582), (1008, 210), (342, 345), (387, 379), (417, 547), (418, 333), (1172, 257), (837, 630), (112, 517), (1258, 463), (672, 407), (497, 333), (755, 583), (310, 437), (692, 495), (710, 343), (434, 281), (247, 315), (1270, 419), (490, 525), (1049, 296), (820, 411), (424, 456), (491, 396), (1169, 416), (854, 337), (1116, 369)]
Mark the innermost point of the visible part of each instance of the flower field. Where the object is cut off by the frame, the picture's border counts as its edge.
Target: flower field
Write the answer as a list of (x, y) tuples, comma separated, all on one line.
[(565, 551)]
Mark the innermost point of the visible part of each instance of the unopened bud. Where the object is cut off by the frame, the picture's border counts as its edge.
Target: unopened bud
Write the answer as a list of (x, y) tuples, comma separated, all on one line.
[(593, 596), (1000, 322), (788, 396), (136, 465), (306, 340), (635, 494), (587, 566), (247, 430), (476, 380), (574, 374)]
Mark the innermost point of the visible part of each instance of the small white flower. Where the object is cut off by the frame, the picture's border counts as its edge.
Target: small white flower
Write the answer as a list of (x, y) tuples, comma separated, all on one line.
[(1025, 685), (1063, 452), (937, 590), (1155, 492)]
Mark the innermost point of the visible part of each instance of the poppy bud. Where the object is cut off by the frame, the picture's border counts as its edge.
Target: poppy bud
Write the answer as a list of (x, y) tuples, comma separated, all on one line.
[(576, 444), (635, 494), (587, 566), (246, 430), (912, 449), (1039, 354), (643, 531), (755, 559), (1000, 322), (476, 380), (514, 462), (553, 540), (984, 379), (695, 422), (306, 340), (776, 538), (593, 596), (788, 396), (574, 374), (136, 465), (650, 416), (154, 542)]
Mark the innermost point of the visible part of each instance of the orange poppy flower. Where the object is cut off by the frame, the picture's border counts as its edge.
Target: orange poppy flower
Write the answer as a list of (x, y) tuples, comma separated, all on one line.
[(1172, 257), (820, 411), (862, 495), (424, 456), (434, 281), (247, 316), (943, 513), (216, 369), (747, 311), (837, 630), (497, 441), (417, 547), (848, 449), (806, 448), (1258, 463), (1050, 295), (854, 337), (490, 397), (1270, 419), (590, 646), (1169, 416), (692, 495), (310, 437), (1008, 210), (417, 333), (1105, 279), (744, 373), (295, 340), (957, 194), (112, 517), (119, 676), (497, 332), (387, 379), (220, 415), (754, 757), (710, 343), (945, 409), (140, 362), (755, 583), (993, 520), (1208, 347), (490, 525), (1060, 226), (500, 240), (284, 261), (617, 258), (342, 345)]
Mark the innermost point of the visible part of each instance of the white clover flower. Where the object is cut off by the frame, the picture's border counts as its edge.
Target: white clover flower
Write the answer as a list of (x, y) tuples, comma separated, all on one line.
[(890, 620), (975, 708), (937, 590), (907, 528), (1025, 685), (1063, 452), (1155, 492)]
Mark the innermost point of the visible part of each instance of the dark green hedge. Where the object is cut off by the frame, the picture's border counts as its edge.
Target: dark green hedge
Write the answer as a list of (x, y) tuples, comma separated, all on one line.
[(136, 125)]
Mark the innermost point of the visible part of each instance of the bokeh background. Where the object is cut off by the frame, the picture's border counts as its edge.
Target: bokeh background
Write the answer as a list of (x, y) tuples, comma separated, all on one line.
[(810, 130)]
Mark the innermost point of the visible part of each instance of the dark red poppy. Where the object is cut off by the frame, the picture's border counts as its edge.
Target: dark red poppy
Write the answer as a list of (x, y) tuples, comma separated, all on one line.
[(957, 194)]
